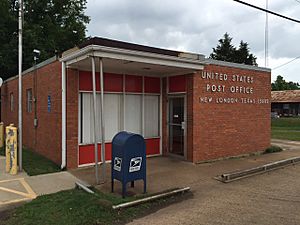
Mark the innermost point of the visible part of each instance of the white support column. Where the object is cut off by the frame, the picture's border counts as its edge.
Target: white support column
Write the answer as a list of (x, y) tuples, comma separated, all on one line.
[(124, 101), (63, 115), (143, 107), (160, 116), (94, 117), (102, 121)]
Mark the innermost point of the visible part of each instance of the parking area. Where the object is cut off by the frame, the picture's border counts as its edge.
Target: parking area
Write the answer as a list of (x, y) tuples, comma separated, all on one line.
[(20, 188), (14, 189), (271, 198)]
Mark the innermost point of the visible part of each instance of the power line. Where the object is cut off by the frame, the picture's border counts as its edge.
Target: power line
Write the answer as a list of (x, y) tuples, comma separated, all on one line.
[(268, 11), (286, 63)]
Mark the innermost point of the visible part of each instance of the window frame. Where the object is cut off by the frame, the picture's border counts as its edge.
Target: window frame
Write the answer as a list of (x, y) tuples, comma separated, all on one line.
[(29, 101), (11, 101)]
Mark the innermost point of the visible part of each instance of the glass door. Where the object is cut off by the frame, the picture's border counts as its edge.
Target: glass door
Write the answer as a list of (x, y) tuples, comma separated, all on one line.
[(176, 125)]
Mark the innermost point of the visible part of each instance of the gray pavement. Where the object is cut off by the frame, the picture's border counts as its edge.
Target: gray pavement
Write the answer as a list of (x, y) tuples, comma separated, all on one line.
[(286, 144), (20, 188), (167, 173), (270, 198)]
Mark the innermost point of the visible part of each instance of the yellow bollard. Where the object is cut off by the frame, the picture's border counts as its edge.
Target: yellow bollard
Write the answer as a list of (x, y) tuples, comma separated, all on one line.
[(7, 151), (1, 134), (11, 150)]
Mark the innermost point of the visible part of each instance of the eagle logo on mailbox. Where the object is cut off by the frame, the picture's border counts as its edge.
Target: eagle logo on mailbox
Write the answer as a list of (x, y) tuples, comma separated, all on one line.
[(135, 164), (117, 164)]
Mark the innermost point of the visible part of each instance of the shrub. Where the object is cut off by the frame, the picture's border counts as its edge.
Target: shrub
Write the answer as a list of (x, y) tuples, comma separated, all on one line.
[(2, 151), (273, 149)]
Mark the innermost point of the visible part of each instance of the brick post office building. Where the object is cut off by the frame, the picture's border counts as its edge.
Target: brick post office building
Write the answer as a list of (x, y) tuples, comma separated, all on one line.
[(183, 104)]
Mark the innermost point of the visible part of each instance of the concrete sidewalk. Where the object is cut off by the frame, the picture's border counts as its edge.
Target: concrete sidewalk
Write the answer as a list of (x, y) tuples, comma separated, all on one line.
[(286, 144), (17, 189), (166, 173)]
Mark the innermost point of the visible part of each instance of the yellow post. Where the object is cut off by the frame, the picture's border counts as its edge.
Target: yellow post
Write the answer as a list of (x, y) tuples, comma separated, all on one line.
[(1, 134), (11, 149), (7, 151)]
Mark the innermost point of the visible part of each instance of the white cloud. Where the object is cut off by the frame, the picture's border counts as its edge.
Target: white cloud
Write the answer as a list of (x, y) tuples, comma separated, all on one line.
[(197, 25)]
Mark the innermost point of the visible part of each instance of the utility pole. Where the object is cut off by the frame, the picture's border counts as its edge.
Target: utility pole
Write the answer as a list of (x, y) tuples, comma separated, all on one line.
[(20, 81), (267, 36)]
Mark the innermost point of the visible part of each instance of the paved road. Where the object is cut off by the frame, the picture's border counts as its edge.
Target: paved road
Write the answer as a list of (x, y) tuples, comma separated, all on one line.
[(270, 198)]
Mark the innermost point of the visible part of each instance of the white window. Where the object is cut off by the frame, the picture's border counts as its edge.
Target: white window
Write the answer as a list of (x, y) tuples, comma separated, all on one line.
[(151, 115), (11, 102), (114, 118), (133, 113), (86, 127), (29, 100), (112, 115)]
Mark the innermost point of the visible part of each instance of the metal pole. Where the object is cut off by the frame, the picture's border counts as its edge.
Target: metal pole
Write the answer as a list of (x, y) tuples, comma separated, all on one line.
[(63, 115), (20, 83), (267, 36), (94, 117), (102, 122)]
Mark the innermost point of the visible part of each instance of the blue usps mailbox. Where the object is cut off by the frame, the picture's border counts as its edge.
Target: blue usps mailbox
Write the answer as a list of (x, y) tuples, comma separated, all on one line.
[(128, 159)]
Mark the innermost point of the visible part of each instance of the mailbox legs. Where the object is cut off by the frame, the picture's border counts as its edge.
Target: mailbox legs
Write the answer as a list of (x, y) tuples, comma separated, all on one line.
[(145, 186), (124, 184), (123, 189)]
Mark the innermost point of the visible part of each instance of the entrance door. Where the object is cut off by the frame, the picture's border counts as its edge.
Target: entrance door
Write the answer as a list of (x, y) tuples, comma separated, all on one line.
[(176, 125)]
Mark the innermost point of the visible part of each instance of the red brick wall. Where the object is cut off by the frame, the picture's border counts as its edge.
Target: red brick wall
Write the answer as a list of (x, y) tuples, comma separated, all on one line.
[(189, 118), (221, 130), (6, 115), (72, 118), (46, 138)]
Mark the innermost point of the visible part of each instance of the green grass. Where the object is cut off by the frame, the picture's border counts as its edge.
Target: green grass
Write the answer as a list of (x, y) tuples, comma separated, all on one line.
[(35, 164), (77, 207), (286, 128), (286, 135), (286, 123)]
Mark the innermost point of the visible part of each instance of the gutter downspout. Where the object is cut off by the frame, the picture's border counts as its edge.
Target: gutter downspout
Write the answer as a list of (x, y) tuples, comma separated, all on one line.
[(63, 115)]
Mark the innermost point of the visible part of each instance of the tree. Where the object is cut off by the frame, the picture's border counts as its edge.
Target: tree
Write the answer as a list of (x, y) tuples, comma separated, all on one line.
[(225, 51), (280, 84), (51, 26), (8, 39)]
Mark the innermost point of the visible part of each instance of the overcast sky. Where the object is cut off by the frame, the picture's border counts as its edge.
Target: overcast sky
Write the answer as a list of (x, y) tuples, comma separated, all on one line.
[(197, 25)]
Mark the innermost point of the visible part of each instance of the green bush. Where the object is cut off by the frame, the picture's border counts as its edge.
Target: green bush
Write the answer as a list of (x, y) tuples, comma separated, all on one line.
[(273, 149), (2, 151)]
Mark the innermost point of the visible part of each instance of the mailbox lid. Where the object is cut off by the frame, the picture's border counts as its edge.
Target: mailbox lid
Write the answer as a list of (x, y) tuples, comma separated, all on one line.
[(122, 138)]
